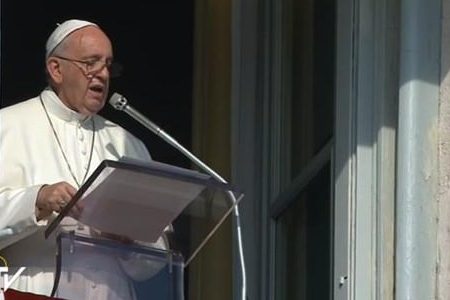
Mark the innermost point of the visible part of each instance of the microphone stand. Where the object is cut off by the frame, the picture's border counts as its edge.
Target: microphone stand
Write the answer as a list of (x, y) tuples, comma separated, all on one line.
[(120, 103)]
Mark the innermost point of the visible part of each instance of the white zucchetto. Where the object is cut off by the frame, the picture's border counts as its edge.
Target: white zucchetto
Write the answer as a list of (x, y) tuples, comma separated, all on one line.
[(62, 31)]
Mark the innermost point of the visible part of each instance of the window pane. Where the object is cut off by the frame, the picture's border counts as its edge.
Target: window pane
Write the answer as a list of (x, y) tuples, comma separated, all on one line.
[(304, 243), (312, 78)]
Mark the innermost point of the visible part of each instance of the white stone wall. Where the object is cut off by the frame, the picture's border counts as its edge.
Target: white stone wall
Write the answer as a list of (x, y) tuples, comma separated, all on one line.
[(443, 218)]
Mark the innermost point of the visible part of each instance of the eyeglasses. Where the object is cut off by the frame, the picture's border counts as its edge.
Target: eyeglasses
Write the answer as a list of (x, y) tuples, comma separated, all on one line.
[(91, 67)]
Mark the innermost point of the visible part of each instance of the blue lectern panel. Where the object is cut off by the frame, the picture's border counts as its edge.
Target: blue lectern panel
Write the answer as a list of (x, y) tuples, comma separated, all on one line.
[(103, 269)]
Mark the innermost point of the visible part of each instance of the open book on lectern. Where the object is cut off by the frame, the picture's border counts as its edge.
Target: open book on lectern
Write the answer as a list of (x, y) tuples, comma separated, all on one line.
[(139, 200)]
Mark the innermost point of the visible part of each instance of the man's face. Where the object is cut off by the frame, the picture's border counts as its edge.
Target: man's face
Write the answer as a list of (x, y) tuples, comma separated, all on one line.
[(79, 89)]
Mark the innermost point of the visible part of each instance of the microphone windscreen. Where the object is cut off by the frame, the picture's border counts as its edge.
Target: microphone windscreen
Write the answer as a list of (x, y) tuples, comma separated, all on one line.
[(118, 101)]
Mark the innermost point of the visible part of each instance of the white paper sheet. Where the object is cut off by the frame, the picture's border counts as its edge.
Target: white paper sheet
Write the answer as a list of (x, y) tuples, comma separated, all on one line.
[(134, 204)]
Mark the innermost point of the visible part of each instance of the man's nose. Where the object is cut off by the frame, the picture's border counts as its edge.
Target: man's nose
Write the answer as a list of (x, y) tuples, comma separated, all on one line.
[(103, 72)]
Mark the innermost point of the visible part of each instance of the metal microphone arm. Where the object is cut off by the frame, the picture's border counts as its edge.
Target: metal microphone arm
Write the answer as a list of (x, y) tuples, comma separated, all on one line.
[(166, 137)]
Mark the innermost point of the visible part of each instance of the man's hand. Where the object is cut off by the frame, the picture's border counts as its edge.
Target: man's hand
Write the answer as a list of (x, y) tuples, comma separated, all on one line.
[(53, 197)]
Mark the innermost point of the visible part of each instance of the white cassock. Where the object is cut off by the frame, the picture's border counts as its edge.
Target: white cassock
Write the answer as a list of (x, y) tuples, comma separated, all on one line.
[(30, 157)]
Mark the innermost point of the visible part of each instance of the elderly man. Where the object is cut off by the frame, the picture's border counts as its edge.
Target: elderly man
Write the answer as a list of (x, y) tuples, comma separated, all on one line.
[(50, 144)]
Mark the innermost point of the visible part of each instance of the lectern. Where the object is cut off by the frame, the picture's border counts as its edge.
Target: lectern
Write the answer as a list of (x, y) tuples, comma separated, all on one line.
[(141, 224)]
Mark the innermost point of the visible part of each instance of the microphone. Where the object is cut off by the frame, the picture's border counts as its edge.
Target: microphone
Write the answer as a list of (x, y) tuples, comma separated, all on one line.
[(119, 102)]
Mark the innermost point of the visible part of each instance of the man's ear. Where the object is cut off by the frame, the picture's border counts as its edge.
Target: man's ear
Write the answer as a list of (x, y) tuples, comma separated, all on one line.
[(54, 69)]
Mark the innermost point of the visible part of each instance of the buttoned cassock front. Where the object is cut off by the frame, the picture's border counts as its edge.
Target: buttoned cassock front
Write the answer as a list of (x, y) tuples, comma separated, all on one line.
[(30, 157)]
